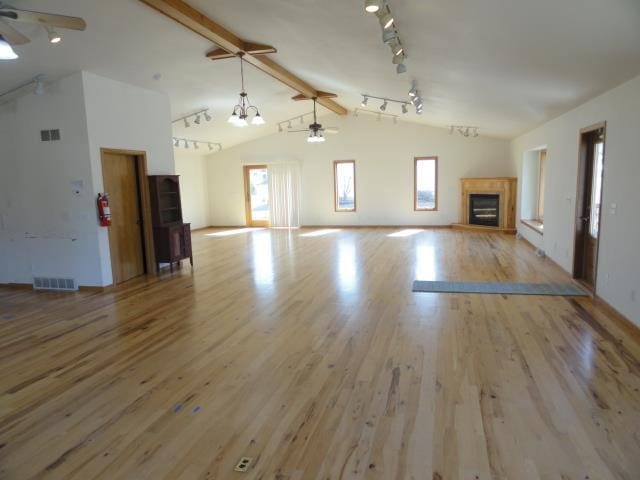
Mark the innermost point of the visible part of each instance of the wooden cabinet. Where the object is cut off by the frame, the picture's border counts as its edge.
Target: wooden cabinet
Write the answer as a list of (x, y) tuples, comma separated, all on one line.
[(171, 237)]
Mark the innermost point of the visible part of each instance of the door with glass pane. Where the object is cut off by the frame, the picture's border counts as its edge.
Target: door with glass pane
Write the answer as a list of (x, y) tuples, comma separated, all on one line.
[(588, 204), (256, 190)]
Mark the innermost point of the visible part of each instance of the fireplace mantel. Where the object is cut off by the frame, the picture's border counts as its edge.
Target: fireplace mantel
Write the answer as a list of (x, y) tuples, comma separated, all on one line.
[(505, 187)]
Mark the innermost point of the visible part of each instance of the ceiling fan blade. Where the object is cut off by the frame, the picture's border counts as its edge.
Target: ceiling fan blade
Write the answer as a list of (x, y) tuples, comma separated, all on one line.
[(11, 35), (45, 19), (332, 130), (296, 131)]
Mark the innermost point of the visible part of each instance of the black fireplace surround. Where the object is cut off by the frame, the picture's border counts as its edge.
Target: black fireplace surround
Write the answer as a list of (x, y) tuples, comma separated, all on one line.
[(484, 209)]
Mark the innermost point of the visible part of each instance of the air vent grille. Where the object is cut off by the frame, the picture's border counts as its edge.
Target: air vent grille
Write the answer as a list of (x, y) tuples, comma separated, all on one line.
[(46, 283), (50, 135)]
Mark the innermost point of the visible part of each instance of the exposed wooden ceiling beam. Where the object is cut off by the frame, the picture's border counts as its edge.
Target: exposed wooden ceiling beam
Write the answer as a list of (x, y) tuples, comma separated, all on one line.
[(199, 23), (320, 94)]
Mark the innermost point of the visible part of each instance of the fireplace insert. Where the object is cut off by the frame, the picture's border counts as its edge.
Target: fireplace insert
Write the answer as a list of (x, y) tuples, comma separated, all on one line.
[(484, 209)]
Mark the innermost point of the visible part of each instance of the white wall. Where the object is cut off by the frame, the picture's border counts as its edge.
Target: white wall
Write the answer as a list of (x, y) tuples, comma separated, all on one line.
[(384, 154), (194, 191), (618, 262), (45, 229)]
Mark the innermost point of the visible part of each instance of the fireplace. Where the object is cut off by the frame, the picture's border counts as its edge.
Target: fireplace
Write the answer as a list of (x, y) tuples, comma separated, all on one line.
[(484, 209)]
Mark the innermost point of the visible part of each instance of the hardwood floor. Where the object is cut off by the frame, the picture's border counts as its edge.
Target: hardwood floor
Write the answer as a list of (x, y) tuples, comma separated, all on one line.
[(310, 354)]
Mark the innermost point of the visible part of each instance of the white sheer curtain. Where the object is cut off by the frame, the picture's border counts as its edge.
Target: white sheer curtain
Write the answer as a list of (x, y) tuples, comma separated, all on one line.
[(284, 194)]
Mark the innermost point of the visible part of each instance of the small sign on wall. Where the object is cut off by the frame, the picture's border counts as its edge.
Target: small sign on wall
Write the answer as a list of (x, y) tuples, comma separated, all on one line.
[(77, 187)]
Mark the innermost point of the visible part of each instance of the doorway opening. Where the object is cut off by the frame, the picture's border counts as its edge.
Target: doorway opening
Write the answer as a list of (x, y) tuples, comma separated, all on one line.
[(124, 176), (256, 189), (588, 204)]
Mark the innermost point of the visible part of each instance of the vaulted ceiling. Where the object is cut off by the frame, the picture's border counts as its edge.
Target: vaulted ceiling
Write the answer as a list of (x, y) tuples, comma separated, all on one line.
[(503, 65)]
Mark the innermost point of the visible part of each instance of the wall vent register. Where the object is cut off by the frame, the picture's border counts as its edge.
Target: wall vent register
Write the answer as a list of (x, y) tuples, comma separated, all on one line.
[(46, 283), (50, 135)]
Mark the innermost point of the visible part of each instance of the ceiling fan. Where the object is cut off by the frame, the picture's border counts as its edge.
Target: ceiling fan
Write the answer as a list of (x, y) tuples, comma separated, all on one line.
[(315, 129), (10, 37)]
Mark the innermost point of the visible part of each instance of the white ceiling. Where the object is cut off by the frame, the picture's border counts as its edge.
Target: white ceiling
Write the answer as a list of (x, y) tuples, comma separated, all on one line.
[(503, 65)]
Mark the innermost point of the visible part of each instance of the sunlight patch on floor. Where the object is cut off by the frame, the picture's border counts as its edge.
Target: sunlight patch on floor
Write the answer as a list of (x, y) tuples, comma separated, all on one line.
[(320, 233), (235, 231), (406, 232)]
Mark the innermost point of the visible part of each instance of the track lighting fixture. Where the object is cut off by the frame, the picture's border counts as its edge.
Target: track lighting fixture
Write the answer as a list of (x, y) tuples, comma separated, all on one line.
[(195, 116), (401, 68), (378, 114), (413, 92), (383, 107), (288, 123), (196, 143), (398, 59), (396, 48), (372, 6), (243, 107), (386, 19), (365, 99), (54, 37), (404, 105), (464, 130), (6, 52), (404, 108)]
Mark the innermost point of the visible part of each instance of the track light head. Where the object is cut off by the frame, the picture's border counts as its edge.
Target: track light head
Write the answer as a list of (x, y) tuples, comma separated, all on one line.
[(186, 123), (6, 52), (176, 142), (195, 145), (372, 6), (210, 147), (207, 117), (39, 88), (404, 108), (186, 144), (396, 48), (398, 59), (383, 107), (389, 35), (280, 128), (386, 19), (365, 99), (197, 120), (413, 92), (54, 37), (401, 68)]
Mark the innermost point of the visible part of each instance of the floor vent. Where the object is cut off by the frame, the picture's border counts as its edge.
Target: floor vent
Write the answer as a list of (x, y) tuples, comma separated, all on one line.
[(45, 283)]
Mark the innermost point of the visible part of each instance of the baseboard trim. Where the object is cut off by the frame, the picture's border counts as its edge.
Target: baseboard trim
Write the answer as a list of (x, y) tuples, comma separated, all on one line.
[(20, 286), (625, 324), (375, 226)]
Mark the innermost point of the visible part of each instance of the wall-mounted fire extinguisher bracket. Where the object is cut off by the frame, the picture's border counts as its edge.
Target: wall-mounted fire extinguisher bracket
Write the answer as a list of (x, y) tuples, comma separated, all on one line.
[(104, 212)]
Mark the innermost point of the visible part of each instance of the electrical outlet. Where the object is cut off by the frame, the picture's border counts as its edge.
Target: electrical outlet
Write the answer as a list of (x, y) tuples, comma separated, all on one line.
[(243, 464)]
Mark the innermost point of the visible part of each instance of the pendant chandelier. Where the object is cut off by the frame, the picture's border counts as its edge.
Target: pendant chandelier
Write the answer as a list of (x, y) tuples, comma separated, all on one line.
[(243, 108)]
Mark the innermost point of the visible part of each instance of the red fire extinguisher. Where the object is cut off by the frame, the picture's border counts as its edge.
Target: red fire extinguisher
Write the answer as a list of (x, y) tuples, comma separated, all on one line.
[(104, 212)]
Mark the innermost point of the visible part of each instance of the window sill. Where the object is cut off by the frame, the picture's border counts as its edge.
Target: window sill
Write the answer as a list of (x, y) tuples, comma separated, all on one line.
[(535, 225)]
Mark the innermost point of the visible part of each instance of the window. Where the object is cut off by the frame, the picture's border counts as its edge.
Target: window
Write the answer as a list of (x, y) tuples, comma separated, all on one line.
[(344, 185), (534, 167), (542, 160), (425, 184)]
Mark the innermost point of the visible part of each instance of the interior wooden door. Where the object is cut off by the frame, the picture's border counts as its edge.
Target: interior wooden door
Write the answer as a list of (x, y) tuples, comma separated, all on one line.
[(588, 205), (121, 183), (256, 195)]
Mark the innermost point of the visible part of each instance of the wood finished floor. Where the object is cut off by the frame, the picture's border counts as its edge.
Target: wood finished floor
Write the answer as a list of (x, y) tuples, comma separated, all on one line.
[(310, 354)]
